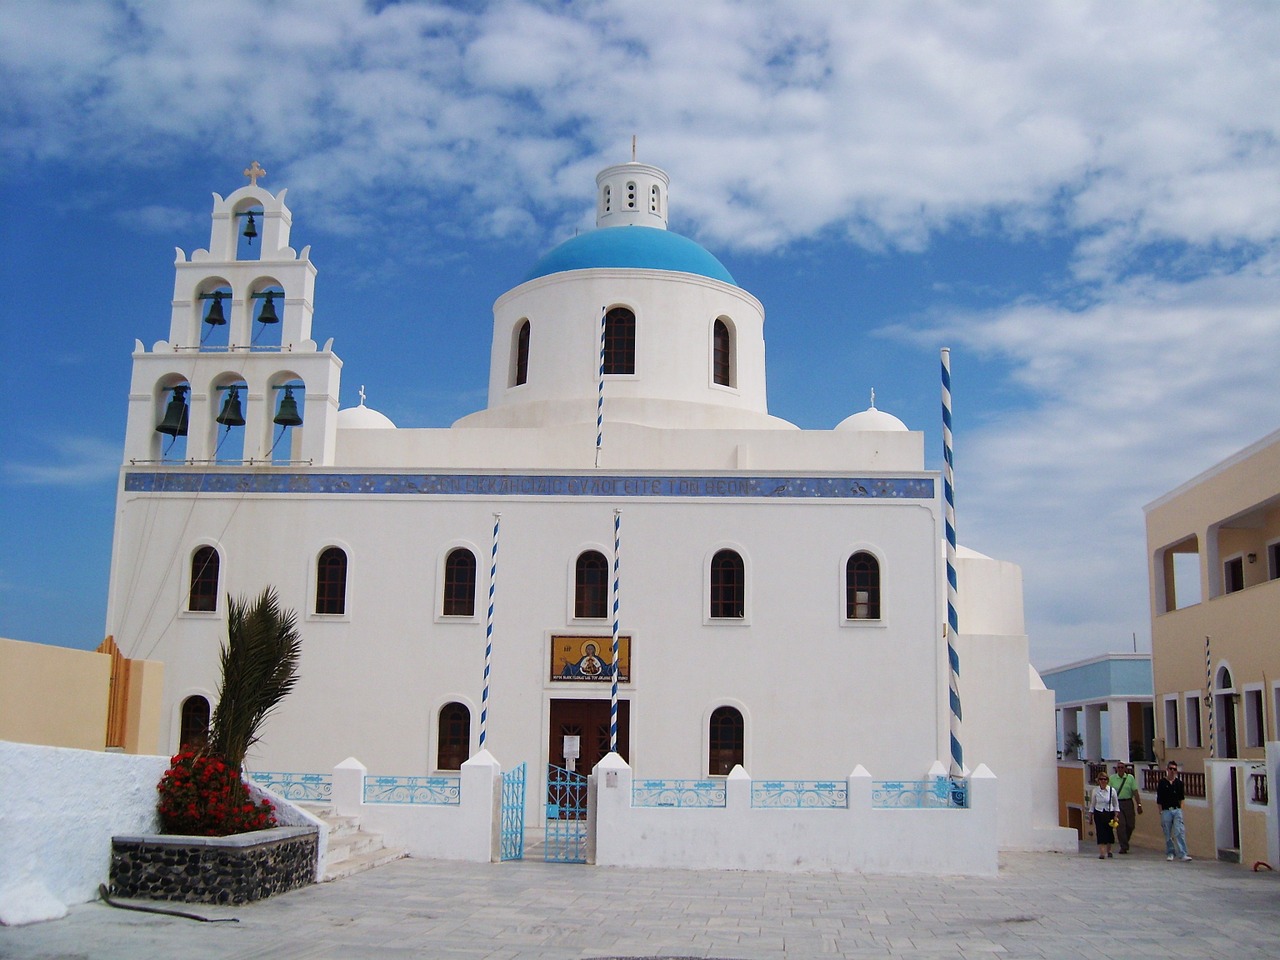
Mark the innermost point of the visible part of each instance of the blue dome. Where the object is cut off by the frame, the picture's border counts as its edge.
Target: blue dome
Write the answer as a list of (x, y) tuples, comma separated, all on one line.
[(647, 248)]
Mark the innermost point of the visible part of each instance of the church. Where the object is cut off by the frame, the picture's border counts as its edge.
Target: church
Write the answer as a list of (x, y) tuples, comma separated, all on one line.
[(776, 596)]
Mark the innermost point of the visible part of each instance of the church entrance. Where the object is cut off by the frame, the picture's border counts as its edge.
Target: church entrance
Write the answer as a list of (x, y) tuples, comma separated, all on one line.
[(579, 739), (588, 720)]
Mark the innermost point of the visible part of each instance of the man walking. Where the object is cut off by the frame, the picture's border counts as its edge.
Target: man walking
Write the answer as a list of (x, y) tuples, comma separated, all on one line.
[(1125, 785), (1170, 793)]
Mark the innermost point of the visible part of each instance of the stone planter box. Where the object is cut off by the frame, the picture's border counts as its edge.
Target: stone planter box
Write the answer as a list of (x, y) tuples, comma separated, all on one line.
[(236, 869)]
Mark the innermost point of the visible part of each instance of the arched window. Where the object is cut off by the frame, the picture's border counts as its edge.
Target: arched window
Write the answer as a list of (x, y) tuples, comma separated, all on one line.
[(591, 586), (203, 595), (654, 199), (522, 354), (728, 586), (722, 354), (620, 341), (726, 735), (194, 730), (453, 736), (631, 194), (608, 198), (862, 587), (459, 583), (331, 581)]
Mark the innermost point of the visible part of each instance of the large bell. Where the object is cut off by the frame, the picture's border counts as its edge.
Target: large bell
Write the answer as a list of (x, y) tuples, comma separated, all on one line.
[(268, 314), (232, 415), (287, 415), (215, 316), (174, 423), (250, 229)]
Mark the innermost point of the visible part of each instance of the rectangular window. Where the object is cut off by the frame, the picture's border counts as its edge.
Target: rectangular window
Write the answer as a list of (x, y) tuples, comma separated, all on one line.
[(1233, 575), (1255, 723), (1195, 738), (1273, 561), (1172, 739)]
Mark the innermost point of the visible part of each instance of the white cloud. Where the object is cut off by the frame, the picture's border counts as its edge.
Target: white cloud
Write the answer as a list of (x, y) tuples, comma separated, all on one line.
[(1129, 397), (73, 461), (1135, 123)]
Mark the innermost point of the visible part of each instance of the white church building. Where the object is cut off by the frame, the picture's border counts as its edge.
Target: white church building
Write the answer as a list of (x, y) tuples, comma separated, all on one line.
[(781, 593)]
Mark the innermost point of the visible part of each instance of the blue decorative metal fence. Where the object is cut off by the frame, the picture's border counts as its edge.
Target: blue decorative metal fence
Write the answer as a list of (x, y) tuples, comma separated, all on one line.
[(677, 793), (939, 793), (512, 835), (809, 794), (566, 838), (305, 787), (425, 790)]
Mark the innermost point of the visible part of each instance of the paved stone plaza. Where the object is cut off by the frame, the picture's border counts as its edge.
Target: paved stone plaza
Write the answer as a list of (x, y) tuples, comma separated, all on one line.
[(1041, 905)]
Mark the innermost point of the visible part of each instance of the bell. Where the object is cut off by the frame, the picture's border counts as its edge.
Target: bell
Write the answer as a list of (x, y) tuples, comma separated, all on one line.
[(174, 423), (215, 317), (250, 229), (268, 314), (232, 415), (287, 415)]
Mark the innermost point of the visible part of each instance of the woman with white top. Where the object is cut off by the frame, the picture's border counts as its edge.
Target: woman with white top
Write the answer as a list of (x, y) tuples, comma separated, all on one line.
[(1105, 807)]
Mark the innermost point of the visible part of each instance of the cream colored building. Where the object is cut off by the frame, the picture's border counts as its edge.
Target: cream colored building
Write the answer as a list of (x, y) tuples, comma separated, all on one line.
[(90, 700), (1213, 547)]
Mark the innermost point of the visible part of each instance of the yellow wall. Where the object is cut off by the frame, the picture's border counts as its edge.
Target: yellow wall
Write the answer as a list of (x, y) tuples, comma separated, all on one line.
[(58, 697), (1071, 793), (142, 727), (53, 695)]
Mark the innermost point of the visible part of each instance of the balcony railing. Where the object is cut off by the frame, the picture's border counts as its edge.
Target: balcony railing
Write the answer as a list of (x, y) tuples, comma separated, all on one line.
[(1193, 783)]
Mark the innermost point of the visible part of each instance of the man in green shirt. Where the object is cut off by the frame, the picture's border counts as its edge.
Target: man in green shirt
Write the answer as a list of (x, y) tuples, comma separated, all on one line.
[(1125, 785)]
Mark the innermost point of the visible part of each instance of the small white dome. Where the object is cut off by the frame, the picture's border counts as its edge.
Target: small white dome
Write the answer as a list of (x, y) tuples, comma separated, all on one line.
[(363, 418), (871, 419)]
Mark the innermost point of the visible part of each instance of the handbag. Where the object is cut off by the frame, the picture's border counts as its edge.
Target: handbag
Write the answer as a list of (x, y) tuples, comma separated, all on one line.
[(1115, 820)]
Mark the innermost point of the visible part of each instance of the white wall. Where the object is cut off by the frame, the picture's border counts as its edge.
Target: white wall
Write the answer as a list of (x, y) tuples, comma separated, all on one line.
[(59, 808), (935, 842)]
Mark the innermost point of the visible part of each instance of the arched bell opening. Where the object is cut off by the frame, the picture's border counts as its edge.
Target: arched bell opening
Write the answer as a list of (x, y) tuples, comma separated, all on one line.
[(266, 307), (172, 417), (248, 217), (212, 309), (286, 396), (230, 399)]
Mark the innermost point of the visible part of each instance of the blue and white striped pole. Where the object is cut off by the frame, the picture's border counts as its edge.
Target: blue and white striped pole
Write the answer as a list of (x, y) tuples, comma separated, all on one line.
[(488, 630), (1208, 700), (613, 669), (600, 392), (953, 619)]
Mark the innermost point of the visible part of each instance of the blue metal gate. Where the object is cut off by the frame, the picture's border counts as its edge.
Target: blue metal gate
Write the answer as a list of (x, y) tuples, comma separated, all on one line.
[(566, 816), (512, 836)]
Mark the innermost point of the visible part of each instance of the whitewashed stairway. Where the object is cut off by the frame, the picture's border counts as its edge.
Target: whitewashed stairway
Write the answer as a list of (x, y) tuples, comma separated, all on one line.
[(351, 849)]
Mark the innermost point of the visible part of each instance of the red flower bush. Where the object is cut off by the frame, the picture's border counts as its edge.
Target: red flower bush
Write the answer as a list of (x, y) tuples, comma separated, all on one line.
[(201, 795)]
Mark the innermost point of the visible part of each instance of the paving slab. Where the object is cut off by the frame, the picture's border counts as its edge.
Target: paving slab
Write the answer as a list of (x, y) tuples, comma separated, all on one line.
[(1040, 905)]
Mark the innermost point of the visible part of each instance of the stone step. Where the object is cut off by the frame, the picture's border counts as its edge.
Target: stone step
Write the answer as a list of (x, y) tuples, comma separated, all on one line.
[(359, 863), (351, 850)]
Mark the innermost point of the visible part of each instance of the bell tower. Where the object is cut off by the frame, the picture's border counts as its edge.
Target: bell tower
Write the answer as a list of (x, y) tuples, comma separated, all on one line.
[(239, 381)]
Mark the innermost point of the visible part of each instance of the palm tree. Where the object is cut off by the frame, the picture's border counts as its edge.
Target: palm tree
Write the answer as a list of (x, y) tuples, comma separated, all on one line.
[(259, 669)]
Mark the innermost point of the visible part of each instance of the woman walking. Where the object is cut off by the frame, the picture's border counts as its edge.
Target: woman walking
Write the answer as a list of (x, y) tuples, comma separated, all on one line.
[(1105, 807)]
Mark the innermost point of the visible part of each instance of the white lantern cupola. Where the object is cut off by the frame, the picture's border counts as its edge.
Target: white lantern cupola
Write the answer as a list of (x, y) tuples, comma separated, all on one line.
[(631, 195)]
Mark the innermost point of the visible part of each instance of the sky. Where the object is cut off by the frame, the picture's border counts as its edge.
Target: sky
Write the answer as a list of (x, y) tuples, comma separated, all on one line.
[(1080, 199)]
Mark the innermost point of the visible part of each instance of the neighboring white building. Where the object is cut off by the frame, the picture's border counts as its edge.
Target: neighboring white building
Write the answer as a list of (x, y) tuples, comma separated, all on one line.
[(781, 590)]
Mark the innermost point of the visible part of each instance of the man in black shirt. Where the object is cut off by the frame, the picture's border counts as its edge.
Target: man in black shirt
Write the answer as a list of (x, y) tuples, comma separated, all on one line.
[(1170, 793)]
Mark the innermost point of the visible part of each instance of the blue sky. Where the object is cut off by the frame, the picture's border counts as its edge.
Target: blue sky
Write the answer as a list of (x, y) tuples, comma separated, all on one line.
[(1081, 199)]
